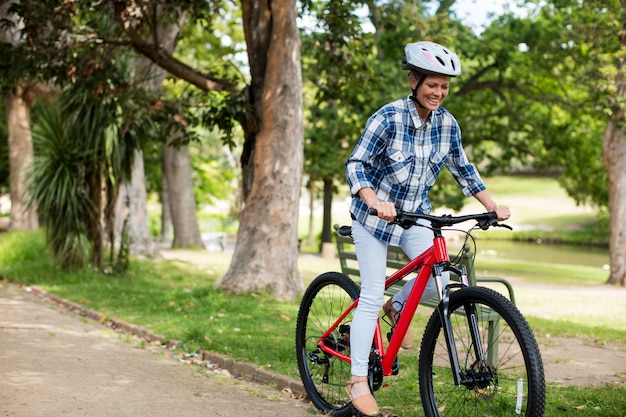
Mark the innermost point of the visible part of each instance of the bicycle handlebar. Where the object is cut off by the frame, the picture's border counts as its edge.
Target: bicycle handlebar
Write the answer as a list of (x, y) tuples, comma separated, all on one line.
[(406, 219)]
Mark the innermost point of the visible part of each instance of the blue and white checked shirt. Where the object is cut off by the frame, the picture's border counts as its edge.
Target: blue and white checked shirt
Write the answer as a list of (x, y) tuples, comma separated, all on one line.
[(400, 156)]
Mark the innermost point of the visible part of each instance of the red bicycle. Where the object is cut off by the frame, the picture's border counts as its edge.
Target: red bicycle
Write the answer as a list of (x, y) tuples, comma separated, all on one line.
[(478, 355)]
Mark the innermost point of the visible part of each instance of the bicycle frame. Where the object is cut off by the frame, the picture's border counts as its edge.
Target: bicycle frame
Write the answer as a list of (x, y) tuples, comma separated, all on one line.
[(435, 258), (478, 354)]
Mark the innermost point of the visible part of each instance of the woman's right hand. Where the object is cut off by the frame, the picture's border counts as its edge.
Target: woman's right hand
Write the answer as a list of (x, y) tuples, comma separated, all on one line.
[(386, 210)]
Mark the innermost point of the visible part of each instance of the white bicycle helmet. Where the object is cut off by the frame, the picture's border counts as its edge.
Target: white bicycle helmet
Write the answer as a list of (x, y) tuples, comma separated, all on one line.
[(430, 58)]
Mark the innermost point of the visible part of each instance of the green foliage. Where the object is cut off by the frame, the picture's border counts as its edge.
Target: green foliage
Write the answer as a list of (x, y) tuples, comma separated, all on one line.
[(206, 120), (337, 64), (222, 112), (214, 43), (215, 175), (81, 143), (535, 93), (58, 190), (544, 88)]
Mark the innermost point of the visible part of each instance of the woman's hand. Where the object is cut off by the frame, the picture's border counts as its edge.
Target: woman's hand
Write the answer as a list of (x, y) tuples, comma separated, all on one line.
[(502, 212), (386, 210)]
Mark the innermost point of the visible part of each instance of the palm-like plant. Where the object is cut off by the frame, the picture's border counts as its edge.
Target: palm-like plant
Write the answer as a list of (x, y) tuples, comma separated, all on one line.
[(58, 188), (81, 157)]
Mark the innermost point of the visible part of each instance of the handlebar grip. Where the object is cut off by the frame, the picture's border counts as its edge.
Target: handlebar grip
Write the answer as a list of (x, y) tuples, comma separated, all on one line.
[(372, 211)]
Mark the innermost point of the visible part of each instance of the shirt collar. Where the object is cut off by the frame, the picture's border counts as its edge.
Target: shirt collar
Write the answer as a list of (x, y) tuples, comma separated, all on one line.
[(417, 120)]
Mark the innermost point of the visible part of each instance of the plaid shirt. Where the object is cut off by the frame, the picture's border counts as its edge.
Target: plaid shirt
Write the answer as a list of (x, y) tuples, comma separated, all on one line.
[(400, 156)]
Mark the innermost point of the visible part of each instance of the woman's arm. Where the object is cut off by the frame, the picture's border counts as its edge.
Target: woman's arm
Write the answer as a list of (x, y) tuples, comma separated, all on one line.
[(485, 199)]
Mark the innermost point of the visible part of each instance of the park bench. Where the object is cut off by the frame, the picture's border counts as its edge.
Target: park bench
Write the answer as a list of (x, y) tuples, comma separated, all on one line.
[(215, 242), (396, 259)]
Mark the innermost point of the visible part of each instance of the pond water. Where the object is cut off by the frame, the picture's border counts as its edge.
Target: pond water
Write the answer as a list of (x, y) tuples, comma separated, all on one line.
[(548, 253)]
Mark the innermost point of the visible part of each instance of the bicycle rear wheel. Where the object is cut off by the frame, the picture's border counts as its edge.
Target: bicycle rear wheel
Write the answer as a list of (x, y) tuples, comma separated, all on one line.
[(509, 381), (325, 376)]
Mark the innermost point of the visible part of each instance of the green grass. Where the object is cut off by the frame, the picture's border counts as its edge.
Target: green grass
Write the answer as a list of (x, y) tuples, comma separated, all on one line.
[(540, 272)]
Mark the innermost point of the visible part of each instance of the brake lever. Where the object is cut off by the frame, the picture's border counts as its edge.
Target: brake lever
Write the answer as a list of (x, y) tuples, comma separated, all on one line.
[(506, 226), (486, 224)]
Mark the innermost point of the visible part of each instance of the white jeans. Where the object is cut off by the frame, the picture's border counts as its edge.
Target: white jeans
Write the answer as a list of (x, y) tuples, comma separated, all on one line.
[(372, 258)]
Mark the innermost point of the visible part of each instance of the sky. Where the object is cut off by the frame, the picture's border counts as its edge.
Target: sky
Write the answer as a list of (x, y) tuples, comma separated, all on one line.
[(475, 13)]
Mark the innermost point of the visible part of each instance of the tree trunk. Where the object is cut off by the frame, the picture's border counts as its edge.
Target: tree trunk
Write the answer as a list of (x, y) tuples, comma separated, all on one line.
[(311, 235), (166, 212), (132, 200), (94, 232), (614, 155), (177, 169), (17, 104), (327, 246), (327, 233), (131, 206), (266, 254), (614, 152)]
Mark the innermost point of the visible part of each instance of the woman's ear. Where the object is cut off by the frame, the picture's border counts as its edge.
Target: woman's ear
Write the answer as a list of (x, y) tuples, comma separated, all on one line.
[(412, 81)]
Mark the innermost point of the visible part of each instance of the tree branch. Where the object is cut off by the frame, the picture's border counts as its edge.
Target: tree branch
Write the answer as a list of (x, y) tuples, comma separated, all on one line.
[(498, 86), (131, 23), (181, 70)]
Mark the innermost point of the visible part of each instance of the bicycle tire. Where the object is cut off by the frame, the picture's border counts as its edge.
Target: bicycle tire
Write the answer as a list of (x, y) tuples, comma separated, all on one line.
[(510, 382), (325, 376)]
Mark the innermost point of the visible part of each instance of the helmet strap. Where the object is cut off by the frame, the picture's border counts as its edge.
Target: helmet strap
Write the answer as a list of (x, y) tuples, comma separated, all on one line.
[(413, 96)]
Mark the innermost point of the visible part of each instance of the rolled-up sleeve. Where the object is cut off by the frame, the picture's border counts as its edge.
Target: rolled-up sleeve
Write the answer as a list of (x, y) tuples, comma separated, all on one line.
[(368, 148), (465, 173)]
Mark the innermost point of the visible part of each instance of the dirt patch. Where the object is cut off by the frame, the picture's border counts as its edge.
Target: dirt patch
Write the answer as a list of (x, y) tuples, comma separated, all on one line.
[(4, 224), (577, 361), (571, 361)]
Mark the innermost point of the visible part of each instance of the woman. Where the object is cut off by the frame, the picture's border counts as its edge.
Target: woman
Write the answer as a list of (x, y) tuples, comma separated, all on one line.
[(394, 165)]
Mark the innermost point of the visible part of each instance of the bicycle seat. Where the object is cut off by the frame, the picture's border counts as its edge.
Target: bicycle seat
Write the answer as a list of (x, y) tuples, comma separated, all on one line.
[(345, 231)]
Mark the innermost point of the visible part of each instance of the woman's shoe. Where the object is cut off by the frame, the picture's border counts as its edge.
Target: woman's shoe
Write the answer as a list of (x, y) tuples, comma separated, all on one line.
[(362, 399), (393, 315)]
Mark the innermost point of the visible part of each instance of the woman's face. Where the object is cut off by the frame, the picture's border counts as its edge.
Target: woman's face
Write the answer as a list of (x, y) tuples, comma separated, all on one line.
[(433, 90)]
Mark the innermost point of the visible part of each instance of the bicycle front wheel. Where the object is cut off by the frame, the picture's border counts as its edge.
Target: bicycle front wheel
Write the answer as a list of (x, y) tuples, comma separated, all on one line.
[(325, 376), (500, 363)]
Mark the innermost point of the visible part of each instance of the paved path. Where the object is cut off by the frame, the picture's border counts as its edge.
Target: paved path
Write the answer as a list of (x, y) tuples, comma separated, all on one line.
[(55, 364)]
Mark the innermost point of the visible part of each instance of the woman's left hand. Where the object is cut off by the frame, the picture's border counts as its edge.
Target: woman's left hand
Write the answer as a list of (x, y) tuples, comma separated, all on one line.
[(502, 212)]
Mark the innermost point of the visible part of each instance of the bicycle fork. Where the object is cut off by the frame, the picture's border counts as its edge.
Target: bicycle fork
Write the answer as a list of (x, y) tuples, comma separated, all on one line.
[(460, 377)]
